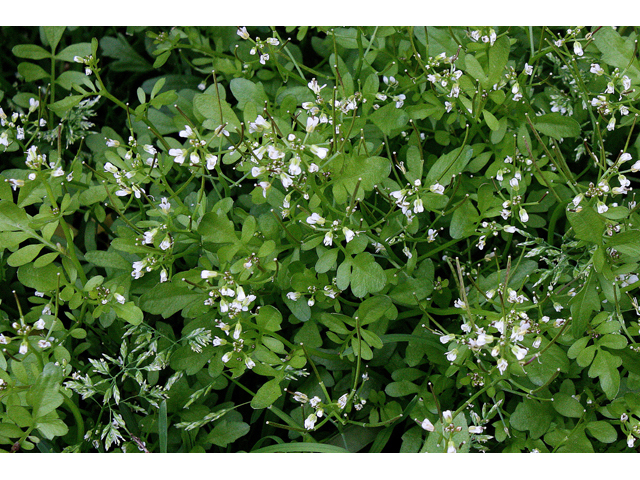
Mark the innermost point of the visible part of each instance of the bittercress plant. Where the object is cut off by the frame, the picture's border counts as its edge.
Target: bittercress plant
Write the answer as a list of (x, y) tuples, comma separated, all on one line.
[(320, 239)]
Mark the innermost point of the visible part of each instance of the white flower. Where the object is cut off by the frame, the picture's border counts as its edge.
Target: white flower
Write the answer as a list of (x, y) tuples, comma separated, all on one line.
[(320, 152), (150, 149), (528, 69), (626, 82), (407, 252), (519, 352), (313, 168), (312, 122), (612, 124), (477, 429), (524, 216), (636, 167), (631, 441), (314, 402), (399, 99), (112, 143), (427, 425), (242, 32), (259, 125), (263, 58), (446, 338), (625, 157), (23, 348), (315, 218), (227, 356), (204, 274), (577, 49), (328, 239), (418, 206), (596, 69), (293, 296), (348, 234), (164, 205), (249, 363), (459, 304), (310, 421), (166, 243), (119, 298), (33, 104), (510, 229), (43, 344), (452, 355), (187, 132), (313, 85), (294, 165), (342, 401), (601, 207), (179, 155), (437, 188), (212, 161), (502, 365)]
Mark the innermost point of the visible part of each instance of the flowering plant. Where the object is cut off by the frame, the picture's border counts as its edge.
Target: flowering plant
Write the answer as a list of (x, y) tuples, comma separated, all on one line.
[(425, 241)]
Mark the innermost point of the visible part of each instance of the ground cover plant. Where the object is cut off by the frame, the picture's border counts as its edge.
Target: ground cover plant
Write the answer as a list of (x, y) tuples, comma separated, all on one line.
[(319, 239)]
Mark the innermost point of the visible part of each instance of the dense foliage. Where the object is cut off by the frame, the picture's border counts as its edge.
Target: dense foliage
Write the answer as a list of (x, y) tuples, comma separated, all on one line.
[(319, 239)]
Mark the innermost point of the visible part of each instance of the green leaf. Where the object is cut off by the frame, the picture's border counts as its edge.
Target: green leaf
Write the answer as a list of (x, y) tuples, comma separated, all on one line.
[(616, 342), (269, 318), (43, 279), (372, 309), (532, 415), (13, 218), (33, 52), (267, 394), (166, 299), (210, 106), (492, 121), (583, 304), (217, 228), (567, 406), (367, 276), (62, 107), (389, 119), (129, 312), (587, 225), (473, 68), (401, 388), (605, 366), (301, 447), (53, 35), (449, 164), (43, 396), (463, 221), (247, 91), (31, 72), (226, 432), (127, 59), (327, 260), (556, 126), (24, 255), (498, 58), (618, 52), (368, 171), (76, 50), (602, 431), (107, 259)]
